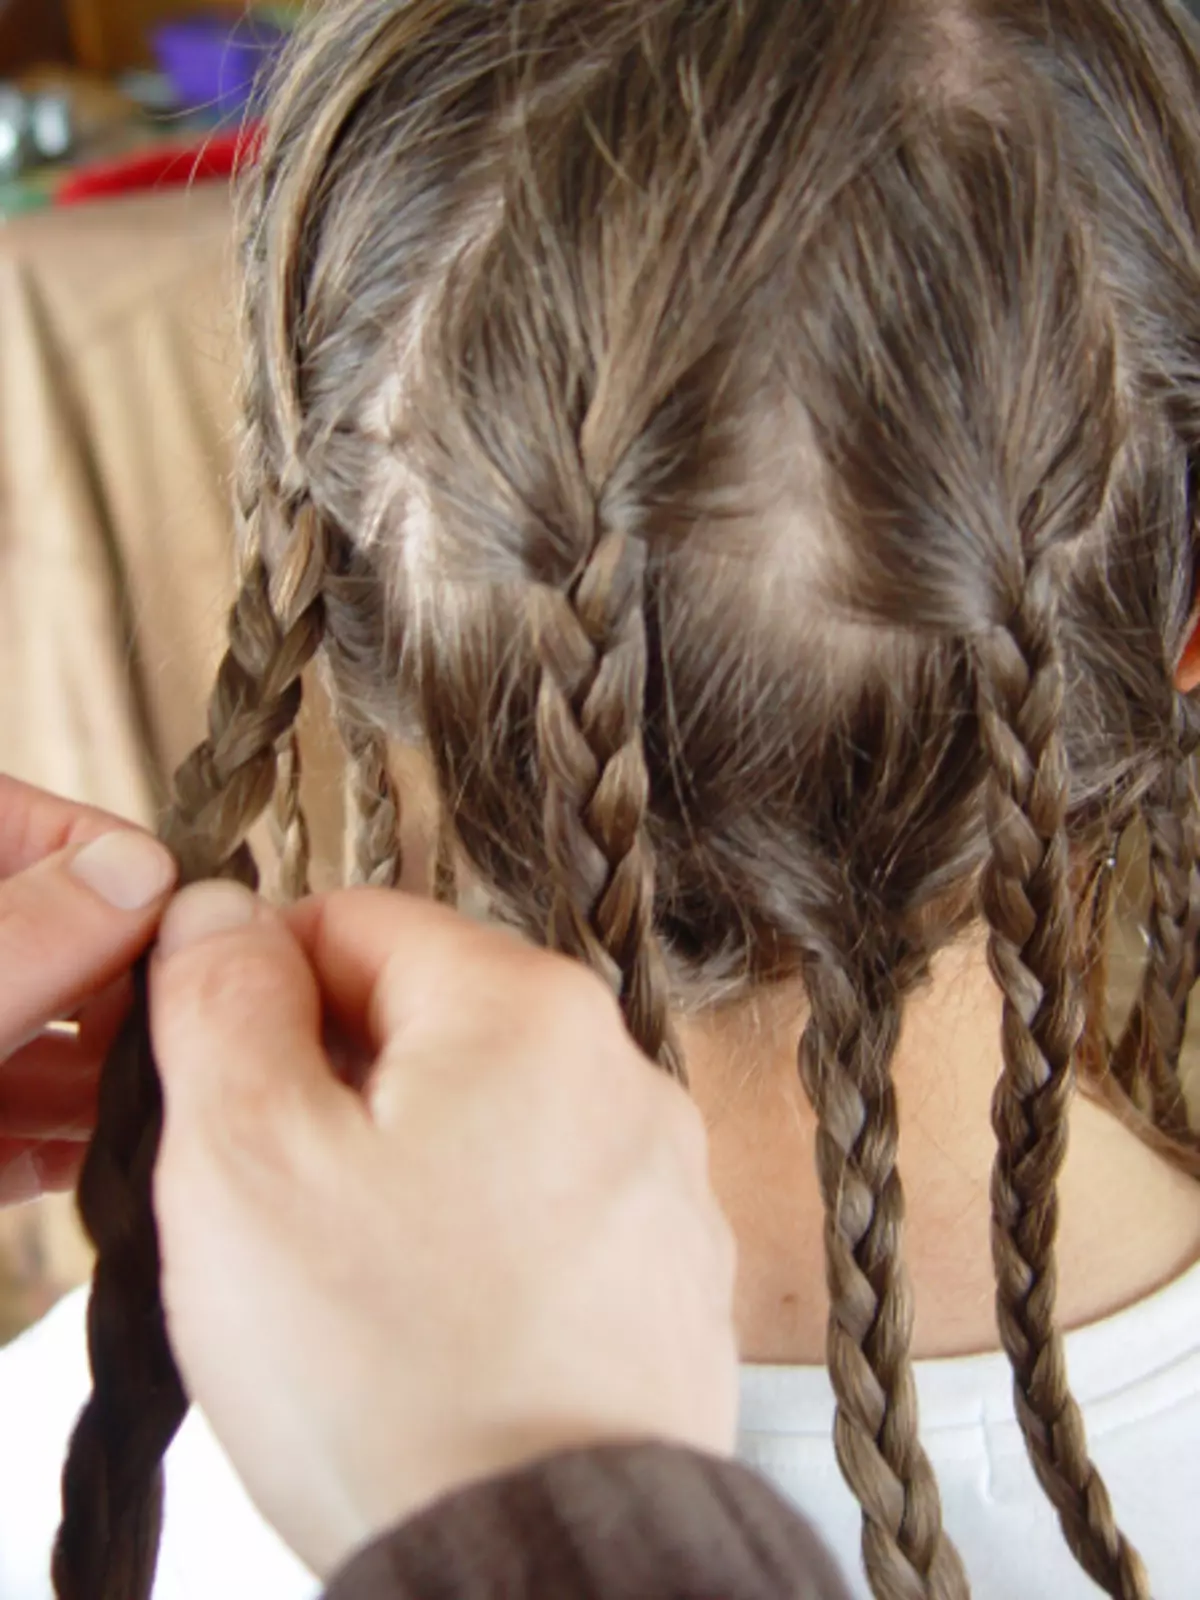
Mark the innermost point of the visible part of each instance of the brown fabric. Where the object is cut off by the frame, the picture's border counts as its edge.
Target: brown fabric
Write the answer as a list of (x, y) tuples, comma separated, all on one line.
[(32, 31), (620, 1523)]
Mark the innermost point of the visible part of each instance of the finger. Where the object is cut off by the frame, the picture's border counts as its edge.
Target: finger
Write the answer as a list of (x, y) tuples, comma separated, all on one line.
[(30, 1169), (71, 924), (391, 964), (236, 1017), (34, 825), (48, 1089), (46, 1092)]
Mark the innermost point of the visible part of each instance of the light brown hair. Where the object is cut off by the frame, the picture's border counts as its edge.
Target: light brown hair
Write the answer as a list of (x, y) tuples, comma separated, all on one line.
[(750, 445)]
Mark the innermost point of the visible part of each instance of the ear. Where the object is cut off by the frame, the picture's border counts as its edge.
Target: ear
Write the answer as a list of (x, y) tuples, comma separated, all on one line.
[(1187, 673)]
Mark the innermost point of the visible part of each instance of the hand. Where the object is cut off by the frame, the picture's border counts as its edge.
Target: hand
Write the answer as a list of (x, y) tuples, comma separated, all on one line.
[(80, 898), (503, 1245)]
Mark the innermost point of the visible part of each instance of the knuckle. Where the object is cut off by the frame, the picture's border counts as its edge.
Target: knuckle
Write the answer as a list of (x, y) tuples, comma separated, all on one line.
[(211, 991), (229, 1128), (579, 998), (557, 997), (27, 937), (253, 1142)]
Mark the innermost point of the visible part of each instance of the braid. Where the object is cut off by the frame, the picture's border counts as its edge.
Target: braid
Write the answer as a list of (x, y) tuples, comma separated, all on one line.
[(845, 1063), (1028, 905), (374, 807), (1145, 1061), (445, 871), (591, 648), (355, 656), (289, 824), (112, 1481), (112, 1486)]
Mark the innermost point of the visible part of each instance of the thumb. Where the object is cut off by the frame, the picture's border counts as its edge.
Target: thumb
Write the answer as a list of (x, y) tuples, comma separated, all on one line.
[(236, 1022), (73, 923)]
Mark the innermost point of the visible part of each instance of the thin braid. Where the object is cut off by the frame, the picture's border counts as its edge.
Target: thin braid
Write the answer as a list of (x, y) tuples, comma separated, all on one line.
[(1028, 904), (1145, 1061), (445, 871), (112, 1481), (289, 823), (374, 805), (275, 629), (592, 651), (845, 1063), (355, 625)]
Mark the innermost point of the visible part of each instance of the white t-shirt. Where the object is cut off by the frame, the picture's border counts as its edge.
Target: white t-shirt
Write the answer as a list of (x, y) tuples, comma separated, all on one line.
[(1136, 1375)]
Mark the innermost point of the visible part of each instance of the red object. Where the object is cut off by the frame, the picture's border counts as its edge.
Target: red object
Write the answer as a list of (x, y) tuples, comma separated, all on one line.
[(1187, 673), (171, 167)]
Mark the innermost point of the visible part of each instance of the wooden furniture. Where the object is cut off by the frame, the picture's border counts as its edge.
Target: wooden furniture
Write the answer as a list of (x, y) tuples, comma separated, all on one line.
[(101, 36), (110, 36), (32, 31)]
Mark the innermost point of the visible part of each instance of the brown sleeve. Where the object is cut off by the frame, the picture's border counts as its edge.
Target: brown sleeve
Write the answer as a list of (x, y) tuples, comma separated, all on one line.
[(619, 1523)]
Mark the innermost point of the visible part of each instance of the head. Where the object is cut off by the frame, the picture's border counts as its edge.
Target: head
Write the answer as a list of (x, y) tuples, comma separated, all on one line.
[(748, 447)]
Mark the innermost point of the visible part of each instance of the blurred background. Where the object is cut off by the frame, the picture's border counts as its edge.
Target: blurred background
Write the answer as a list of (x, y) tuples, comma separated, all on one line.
[(97, 95)]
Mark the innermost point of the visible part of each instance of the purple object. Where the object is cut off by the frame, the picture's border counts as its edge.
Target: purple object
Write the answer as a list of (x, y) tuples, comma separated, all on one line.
[(215, 63)]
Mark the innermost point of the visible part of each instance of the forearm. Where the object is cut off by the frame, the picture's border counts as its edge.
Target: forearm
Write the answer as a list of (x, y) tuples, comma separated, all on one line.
[(603, 1524)]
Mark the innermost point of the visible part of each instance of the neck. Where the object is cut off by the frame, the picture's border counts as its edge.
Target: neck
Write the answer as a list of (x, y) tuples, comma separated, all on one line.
[(1128, 1222)]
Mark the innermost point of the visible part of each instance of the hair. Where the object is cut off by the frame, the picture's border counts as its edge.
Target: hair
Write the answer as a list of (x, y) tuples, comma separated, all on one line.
[(750, 446)]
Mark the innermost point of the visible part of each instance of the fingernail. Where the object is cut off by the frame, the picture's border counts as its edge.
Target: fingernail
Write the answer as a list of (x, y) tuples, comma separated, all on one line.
[(203, 911), (128, 870)]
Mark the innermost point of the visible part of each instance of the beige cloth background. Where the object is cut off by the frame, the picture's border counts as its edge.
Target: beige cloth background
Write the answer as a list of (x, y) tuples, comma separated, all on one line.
[(117, 406)]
